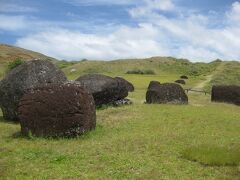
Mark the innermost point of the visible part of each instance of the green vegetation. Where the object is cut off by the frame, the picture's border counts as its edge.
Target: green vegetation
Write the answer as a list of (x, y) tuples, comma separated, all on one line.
[(161, 66), (3, 69), (64, 64), (139, 141), (213, 156), (229, 74), (13, 64)]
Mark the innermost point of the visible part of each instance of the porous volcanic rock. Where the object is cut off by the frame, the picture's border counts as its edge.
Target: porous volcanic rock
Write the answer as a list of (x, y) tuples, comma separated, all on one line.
[(180, 81), (184, 77), (57, 110), (128, 85), (153, 85), (227, 94), (166, 93), (104, 89), (23, 77)]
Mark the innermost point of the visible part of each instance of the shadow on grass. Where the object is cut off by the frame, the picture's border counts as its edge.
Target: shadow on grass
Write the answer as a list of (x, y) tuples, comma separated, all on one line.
[(98, 132), (2, 120), (210, 155), (106, 106)]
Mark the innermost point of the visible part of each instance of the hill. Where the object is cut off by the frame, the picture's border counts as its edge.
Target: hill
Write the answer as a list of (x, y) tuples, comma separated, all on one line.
[(9, 53), (167, 68), (228, 73), (164, 68)]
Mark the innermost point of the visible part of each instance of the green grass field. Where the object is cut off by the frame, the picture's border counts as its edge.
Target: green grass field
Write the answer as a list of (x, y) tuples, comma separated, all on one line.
[(196, 141)]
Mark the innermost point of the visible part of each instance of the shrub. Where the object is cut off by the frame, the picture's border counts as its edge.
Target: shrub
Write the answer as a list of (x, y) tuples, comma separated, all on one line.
[(14, 64), (138, 71), (149, 71)]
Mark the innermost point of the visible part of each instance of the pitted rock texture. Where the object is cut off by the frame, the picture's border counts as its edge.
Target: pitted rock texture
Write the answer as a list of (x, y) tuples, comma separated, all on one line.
[(104, 89), (23, 77), (153, 84), (227, 94), (128, 85), (166, 93), (55, 110)]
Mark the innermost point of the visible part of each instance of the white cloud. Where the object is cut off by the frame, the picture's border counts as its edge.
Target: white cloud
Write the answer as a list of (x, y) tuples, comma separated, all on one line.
[(188, 35), (234, 14), (12, 23), (192, 36), (150, 6), (124, 43)]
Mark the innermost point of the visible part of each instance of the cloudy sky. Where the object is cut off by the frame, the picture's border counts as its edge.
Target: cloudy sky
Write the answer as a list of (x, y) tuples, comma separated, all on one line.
[(200, 30)]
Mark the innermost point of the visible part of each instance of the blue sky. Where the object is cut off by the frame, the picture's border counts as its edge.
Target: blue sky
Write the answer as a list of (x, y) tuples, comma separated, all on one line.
[(200, 30)]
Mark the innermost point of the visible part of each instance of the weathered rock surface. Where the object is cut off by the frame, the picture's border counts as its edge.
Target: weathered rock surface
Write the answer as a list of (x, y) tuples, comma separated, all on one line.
[(103, 88), (180, 81), (153, 85), (128, 85), (166, 93), (23, 77), (55, 110), (227, 94)]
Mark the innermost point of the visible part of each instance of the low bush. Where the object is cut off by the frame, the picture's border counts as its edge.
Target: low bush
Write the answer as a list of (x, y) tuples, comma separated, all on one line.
[(138, 71), (13, 64)]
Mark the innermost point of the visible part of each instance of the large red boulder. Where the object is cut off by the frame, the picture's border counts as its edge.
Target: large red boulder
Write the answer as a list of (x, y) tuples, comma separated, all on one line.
[(105, 89), (227, 94), (28, 75), (128, 85), (153, 85), (57, 110), (166, 93)]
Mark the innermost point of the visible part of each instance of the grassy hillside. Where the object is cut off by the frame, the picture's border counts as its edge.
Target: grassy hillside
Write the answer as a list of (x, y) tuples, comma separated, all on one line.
[(9, 53), (166, 69), (196, 141), (228, 74), (160, 65)]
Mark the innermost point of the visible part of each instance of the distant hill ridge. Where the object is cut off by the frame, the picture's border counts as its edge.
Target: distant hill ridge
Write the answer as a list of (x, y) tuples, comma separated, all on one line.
[(228, 73), (10, 53)]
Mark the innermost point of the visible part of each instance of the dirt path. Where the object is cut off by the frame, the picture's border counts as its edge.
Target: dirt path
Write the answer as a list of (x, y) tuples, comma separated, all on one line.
[(202, 84)]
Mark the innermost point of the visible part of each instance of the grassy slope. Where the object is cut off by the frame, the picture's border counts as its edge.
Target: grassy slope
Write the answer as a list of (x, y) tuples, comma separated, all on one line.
[(160, 65), (228, 74), (9, 53), (138, 141), (167, 69)]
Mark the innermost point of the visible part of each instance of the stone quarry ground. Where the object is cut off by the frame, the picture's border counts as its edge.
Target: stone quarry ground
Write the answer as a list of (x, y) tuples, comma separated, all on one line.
[(139, 141)]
